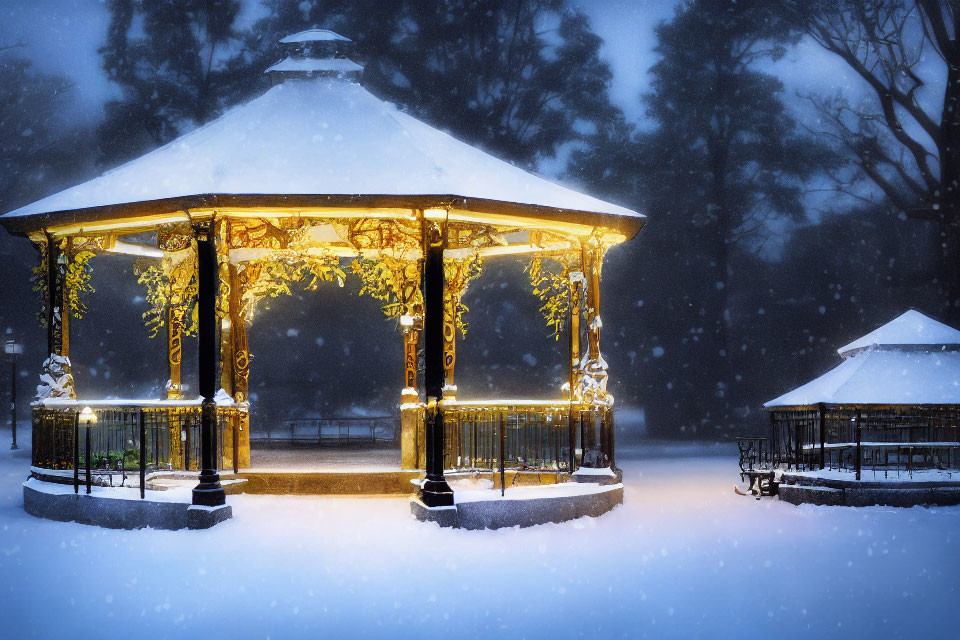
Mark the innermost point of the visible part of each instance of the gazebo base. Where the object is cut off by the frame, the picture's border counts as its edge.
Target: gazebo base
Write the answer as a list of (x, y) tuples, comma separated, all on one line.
[(521, 506), (119, 507), (809, 488)]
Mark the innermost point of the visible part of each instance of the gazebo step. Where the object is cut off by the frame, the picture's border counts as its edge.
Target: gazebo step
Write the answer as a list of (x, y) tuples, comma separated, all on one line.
[(323, 482)]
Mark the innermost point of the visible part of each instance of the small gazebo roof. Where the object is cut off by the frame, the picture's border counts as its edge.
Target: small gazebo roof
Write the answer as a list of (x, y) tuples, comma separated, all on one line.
[(321, 141), (909, 330), (315, 35), (883, 377), (296, 64), (911, 360)]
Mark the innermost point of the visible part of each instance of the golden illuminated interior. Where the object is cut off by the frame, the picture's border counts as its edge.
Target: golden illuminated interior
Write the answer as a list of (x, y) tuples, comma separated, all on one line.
[(264, 247)]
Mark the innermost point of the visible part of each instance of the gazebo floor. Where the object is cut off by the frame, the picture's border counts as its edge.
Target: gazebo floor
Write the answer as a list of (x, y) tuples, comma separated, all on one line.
[(323, 470), (346, 470), (328, 459)]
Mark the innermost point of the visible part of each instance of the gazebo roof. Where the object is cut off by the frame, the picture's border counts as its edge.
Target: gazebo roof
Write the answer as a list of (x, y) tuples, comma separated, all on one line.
[(883, 377), (909, 330), (910, 360), (315, 141)]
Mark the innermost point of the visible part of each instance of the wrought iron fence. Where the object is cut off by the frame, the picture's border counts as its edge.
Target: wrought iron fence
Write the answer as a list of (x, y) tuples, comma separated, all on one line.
[(525, 436), (890, 439), (170, 437)]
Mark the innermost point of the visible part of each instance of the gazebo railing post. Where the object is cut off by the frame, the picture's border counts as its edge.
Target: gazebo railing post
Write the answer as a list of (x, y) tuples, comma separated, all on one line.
[(143, 453), (502, 442), (823, 436), (798, 452), (859, 432), (76, 452), (576, 280), (86, 453), (208, 492), (236, 441), (434, 491)]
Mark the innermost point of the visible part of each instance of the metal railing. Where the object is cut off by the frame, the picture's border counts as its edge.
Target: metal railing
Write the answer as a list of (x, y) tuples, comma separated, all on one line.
[(889, 439), (525, 435), (130, 437)]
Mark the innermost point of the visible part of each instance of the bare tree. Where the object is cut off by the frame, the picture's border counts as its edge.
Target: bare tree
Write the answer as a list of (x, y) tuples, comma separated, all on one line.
[(903, 142)]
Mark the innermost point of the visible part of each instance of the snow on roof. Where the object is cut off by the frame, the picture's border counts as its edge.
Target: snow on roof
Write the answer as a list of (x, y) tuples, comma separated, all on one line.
[(318, 136), (883, 377), (339, 65), (912, 328), (315, 35)]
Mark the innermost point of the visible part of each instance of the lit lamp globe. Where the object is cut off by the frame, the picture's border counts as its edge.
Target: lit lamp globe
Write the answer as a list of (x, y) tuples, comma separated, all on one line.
[(12, 348), (87, 417)]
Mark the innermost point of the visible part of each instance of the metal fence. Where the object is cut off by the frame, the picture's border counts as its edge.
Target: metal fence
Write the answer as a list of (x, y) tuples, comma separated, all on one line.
[(898, 439), (525, 436), (170, 438)]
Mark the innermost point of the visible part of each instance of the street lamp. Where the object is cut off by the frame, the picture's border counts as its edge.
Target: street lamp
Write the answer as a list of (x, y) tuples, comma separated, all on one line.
[(12, 348), (87, 418)]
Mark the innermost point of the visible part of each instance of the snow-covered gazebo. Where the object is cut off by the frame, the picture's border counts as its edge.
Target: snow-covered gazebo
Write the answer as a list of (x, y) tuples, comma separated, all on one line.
[(318, 179), (892, 406)]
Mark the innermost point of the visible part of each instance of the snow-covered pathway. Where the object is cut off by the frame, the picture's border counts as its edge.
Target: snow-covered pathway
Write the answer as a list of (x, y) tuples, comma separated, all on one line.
[(682, 558)]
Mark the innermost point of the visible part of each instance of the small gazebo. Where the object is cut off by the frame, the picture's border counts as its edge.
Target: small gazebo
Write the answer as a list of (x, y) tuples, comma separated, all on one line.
[(891, 407), (319, 180)]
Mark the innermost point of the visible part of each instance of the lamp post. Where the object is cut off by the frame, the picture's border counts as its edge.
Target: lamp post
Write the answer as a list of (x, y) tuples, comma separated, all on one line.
[(12, 348), (86, 418)]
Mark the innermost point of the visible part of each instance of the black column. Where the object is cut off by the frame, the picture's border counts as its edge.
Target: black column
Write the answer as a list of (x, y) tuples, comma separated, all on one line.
[(208, 492), (434, 492)]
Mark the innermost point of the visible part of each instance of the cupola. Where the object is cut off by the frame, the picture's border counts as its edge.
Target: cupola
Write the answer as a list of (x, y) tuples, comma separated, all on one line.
[(316, 53)]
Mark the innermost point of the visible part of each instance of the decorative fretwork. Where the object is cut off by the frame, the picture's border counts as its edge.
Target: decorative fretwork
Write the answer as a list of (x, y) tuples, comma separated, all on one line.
[(174, 351), (390, 237), (258, 234), (411, 341), (175, 237), (474, 236)]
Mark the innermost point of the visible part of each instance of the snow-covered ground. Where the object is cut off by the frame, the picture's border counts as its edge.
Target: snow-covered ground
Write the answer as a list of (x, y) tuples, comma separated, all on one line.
[(682, 558)]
